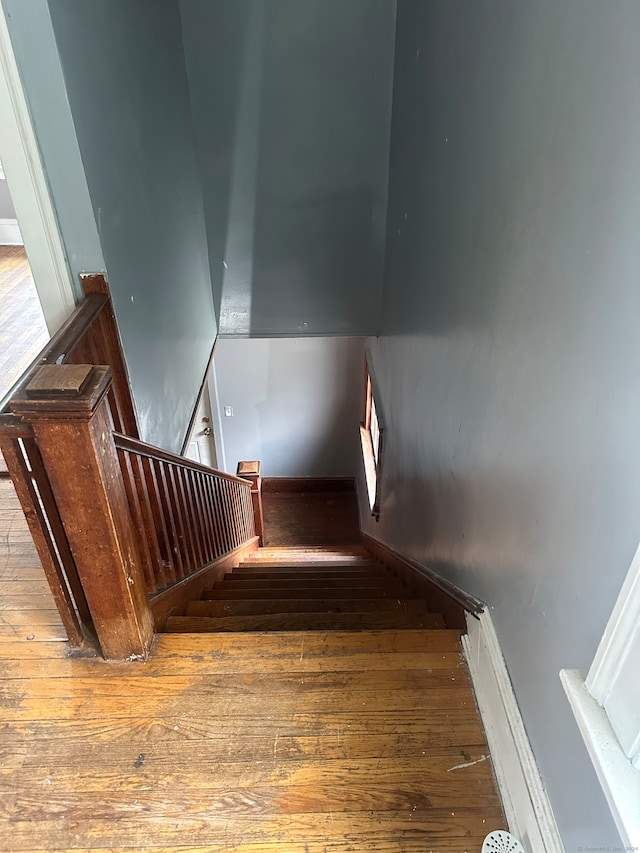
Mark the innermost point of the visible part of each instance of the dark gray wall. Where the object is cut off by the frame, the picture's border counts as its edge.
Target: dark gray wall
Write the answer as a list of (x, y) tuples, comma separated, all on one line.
[(291, 102), (296, 404), (36, 53), (7, 210), (509, 366), (124, 70)]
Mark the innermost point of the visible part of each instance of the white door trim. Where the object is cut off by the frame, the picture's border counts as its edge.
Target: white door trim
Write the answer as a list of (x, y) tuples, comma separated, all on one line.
[(617, 641), (30, 192), (619, 780), (10, 233), (606, 705)]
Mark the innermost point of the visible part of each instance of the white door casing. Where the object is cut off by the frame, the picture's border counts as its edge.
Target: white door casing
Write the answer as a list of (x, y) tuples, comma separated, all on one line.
[(30, 194), (606, 705)]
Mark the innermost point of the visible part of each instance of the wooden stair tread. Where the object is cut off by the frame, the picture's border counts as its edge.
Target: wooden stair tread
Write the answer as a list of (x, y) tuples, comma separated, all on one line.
[(228, 592), (303, 575), (304, 622), (309, 554), (292, 562), (257, 607), (334, 650), (312, 588), (302, 583)]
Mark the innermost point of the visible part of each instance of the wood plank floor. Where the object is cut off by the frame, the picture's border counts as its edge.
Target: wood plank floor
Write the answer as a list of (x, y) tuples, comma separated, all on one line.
[(306, 518), (254, 743), (23, 332)]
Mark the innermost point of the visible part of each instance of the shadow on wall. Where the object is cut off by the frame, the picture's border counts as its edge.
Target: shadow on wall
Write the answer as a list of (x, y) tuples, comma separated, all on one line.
[(292, 115), (219, 86)]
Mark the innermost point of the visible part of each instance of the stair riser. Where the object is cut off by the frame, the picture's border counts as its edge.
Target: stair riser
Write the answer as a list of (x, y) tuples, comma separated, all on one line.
[(304, 622), (295, 574), (294, 563), (356, 593), (304, 583), (320, 605)]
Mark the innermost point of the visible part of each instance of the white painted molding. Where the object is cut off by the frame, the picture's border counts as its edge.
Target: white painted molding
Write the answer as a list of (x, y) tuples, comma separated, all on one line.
[(10, 233), (216, 418), (30, 192), (526, 804), (620, 781), (617, 639)]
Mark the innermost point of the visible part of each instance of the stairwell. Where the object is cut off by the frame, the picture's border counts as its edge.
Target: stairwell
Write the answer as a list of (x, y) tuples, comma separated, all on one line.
[(307, 589), (352, 671), (314, 697)]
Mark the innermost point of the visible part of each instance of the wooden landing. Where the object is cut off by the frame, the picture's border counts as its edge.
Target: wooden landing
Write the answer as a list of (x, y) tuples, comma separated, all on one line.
[(253, 743), (325, 512)]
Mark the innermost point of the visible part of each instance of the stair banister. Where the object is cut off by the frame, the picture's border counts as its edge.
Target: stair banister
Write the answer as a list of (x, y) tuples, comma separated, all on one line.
[(67, 408)]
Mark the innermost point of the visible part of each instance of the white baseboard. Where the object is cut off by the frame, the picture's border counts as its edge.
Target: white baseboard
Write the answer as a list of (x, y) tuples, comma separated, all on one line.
[(10, 233), (526, 805)]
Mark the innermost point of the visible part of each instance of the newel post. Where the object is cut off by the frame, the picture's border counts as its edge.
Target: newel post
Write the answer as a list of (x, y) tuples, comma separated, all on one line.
[(251, 471), (67, 407)]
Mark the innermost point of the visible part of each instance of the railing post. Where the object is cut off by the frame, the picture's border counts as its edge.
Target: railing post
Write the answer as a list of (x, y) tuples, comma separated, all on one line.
[(251, 471), (67, 407)]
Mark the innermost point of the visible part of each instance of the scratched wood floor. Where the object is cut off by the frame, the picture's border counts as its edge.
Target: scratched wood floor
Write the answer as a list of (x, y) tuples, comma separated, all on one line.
[(296, 743)]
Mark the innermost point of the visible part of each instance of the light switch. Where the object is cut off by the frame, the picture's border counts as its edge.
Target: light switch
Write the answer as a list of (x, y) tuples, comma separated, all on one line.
[(228, 411)]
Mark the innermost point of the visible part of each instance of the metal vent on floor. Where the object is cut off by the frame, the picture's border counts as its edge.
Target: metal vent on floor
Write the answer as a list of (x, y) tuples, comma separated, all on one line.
[(501, 842)]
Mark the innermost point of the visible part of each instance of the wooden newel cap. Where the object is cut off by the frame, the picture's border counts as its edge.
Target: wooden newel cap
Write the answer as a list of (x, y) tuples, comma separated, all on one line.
[(63, 390), (59, 380), (247, 469)]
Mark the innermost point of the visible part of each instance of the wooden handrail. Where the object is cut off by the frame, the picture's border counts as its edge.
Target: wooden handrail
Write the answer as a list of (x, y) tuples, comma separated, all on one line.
[(125, 442), (55, 351)]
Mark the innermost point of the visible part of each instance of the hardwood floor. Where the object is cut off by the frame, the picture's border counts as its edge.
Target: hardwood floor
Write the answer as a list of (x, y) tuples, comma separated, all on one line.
[(296, 518), (306, 742), (23, 332)]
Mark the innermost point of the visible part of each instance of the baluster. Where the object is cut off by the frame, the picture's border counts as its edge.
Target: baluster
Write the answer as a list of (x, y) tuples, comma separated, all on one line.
[(137, 519), (196, 517), (153, 532), (172, 527), (160, 520), (213, 505), (188, 559), (228, 515), (56, 574)]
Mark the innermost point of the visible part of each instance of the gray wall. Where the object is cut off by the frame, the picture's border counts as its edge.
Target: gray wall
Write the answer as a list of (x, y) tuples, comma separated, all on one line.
[(124, 70), (38, 62), (296, 404), (509, 366), (292, 104), (7, 210)]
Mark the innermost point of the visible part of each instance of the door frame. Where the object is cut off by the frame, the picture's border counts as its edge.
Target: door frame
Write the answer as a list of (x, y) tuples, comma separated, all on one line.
[(30, 193)]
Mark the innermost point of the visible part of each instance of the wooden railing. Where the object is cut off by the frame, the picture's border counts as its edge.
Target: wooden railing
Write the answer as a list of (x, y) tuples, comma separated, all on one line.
[(90, 336), (118, 524), (186, 515)]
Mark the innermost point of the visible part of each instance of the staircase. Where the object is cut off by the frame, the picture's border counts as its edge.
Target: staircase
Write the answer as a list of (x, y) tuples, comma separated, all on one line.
[(307, 589)]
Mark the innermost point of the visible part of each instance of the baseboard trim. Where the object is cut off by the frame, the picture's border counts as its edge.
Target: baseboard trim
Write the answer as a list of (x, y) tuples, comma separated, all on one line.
[(10, 233), (443, 596), (525, 801)]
